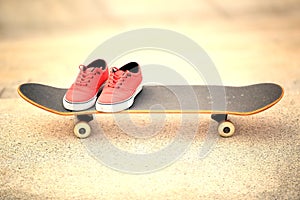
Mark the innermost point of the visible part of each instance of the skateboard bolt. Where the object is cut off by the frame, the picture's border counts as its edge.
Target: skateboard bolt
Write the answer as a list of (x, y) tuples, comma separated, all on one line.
[(226, 130), (82, 131)]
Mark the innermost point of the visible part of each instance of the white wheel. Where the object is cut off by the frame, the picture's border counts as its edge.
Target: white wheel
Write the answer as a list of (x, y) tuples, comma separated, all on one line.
[(226, 128), (82, 129)]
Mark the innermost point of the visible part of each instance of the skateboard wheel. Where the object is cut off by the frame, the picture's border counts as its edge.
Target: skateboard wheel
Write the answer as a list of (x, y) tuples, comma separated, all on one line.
[(82, 129), (226, 128)]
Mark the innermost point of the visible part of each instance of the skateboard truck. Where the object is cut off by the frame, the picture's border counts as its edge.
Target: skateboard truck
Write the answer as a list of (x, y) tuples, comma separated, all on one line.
[(86, 118), (225, 127), (82, 129)]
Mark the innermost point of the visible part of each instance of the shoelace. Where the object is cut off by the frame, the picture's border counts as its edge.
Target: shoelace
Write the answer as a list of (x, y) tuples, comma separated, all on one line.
[(114, 78), (85, 76)]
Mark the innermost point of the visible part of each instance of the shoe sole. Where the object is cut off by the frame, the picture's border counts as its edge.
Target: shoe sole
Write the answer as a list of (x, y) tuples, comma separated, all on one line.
[(77, 106), (119, 106)]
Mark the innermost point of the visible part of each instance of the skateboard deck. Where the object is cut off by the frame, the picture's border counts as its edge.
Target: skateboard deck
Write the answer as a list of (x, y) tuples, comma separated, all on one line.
[(245, 100)]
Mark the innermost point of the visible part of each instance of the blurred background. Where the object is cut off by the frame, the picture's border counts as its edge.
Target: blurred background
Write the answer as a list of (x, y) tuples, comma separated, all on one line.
[(249, 41), (33, 16)]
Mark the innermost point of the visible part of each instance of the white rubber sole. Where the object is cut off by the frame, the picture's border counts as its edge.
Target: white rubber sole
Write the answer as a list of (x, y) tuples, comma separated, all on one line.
[(79, 106), (119, 106)]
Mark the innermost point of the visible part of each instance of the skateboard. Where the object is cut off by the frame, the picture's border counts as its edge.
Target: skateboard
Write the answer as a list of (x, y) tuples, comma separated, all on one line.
[(218, 101)]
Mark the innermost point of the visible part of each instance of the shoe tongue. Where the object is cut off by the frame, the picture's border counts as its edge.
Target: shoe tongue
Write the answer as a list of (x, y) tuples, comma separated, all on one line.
[(86, 69), (117, 71), (90, 69)]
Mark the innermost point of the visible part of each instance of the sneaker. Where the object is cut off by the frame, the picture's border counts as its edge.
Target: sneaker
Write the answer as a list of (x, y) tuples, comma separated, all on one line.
[(84, 91), (121, 88)]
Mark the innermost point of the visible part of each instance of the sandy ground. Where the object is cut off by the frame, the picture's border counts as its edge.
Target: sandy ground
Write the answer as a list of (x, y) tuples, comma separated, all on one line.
[(249, 43)]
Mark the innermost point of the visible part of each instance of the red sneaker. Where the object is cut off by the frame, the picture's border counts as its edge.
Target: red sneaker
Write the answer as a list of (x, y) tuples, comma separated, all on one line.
[(121, 88), (83, 92)]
